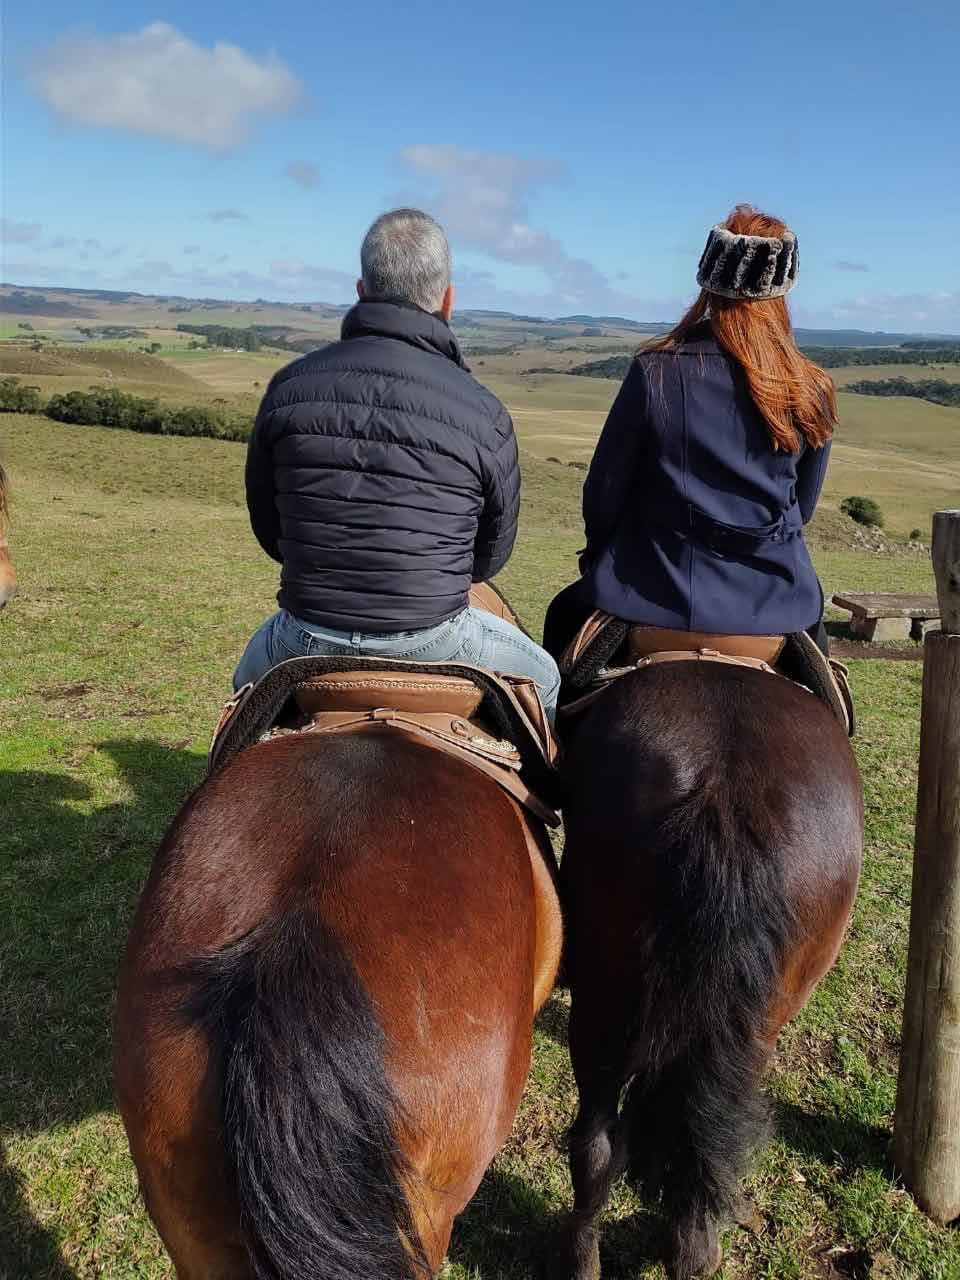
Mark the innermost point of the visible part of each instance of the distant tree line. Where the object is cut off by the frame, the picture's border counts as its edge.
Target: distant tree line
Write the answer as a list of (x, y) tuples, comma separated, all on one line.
[(826, 357), (837, 357), (253, 337), (112, 331), (936, 390), (611, 367), (221, 335), (108, 407)]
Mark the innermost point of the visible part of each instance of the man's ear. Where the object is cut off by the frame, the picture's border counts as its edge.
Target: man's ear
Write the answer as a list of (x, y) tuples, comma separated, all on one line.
[(361, 290), (446, 306)]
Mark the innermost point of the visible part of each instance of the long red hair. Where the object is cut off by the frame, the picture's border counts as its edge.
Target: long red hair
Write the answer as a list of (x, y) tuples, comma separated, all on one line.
[(795, 396)]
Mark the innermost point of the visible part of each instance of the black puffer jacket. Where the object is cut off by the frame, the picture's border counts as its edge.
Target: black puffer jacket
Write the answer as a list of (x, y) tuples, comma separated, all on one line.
[(382, 476)]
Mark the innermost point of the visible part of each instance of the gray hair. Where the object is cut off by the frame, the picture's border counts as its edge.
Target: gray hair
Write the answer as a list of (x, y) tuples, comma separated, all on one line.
[(405, 254)]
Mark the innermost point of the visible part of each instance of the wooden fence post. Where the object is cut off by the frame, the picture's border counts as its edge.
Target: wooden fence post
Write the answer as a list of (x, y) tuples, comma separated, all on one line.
[(927, 1124)]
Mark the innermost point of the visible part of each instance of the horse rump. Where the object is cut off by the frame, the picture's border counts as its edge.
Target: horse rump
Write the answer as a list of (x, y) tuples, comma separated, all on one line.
[(307, 1113)]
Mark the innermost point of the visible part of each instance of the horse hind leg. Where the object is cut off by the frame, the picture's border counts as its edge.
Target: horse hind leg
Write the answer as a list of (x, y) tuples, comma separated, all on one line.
[(200, 1237), (597, 1159)]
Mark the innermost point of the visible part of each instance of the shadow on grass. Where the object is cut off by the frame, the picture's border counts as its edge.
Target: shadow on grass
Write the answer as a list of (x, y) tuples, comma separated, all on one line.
[(832, 1138), (68, 887), (553, 1019), (27, 1250), (504, 1230), (508, 1229)]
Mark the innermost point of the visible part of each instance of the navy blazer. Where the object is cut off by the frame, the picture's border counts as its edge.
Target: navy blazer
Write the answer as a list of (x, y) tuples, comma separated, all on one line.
[(694, 521)]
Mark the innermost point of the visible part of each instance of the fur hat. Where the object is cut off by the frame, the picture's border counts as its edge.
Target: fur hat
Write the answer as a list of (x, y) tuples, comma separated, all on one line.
[(750, 267)]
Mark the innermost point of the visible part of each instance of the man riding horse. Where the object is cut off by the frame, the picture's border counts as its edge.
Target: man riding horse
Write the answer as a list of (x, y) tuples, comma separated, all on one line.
[(385, 480)]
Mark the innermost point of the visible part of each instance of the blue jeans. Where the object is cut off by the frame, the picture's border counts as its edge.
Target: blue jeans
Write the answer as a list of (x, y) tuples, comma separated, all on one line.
[(473, 636)]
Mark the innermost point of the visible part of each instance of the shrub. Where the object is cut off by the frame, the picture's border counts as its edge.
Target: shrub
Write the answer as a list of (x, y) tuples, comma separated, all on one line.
[(864, 511), (107, 407), (191, 420), (916, 535), (16, 398)]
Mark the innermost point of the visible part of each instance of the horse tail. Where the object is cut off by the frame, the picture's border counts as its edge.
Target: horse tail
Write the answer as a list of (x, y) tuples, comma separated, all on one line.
[(307, 1113), (709, 973)]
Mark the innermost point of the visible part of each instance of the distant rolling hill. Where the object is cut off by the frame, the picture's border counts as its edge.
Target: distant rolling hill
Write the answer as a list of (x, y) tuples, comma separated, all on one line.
[(61, 303)]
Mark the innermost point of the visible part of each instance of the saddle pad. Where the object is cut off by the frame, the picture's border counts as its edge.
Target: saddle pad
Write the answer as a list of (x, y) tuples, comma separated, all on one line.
[(402, 691), (260, 708), (644, 641), (803, 662), (587, 671)]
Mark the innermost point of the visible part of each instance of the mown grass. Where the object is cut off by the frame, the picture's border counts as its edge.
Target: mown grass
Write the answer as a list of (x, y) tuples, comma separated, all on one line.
[(139, 584)]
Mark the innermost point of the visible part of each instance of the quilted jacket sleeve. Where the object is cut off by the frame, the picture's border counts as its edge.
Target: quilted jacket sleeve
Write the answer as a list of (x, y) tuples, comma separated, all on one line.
[(497, 529), (261, 492)]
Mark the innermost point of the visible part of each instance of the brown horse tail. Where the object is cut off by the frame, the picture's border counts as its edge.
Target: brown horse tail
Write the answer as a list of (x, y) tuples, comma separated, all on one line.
[(710, 971), (308, 1115)]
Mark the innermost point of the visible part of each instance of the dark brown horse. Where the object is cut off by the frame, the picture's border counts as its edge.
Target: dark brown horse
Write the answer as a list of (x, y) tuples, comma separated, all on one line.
[(8, 578), (326, 1008), (714, 825)]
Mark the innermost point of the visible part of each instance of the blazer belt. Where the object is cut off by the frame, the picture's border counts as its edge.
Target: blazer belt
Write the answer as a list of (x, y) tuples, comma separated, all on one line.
[(724, 538)]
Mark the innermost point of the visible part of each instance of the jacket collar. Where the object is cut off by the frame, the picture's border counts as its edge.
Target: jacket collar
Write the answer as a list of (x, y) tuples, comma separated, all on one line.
[(700, 341), (396, 318)]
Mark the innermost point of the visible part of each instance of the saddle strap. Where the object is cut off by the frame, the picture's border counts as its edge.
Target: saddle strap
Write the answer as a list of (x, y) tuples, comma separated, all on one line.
[(613, 674), (496, 759)]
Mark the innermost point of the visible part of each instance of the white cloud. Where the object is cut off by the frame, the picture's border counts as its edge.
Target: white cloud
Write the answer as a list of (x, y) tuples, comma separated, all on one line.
[(304, 175), (302, 273), (283, 281), (157, 268), (159, 83), (933, 313), (18, 232), (936, 312), (481, 198)]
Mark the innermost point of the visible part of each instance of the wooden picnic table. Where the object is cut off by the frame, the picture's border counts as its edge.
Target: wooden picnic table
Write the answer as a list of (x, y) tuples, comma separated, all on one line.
[(887, 615)]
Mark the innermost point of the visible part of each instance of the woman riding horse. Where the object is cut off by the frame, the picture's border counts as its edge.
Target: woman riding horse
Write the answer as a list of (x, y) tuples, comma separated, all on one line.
[(712, 460), (713, 811)]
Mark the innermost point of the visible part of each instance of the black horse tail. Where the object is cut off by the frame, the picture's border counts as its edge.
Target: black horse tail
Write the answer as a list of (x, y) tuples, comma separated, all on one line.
[(709, 974), (308, 1116)]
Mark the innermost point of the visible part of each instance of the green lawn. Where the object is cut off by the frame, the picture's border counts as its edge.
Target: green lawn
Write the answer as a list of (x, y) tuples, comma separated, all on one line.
[(139, 584)]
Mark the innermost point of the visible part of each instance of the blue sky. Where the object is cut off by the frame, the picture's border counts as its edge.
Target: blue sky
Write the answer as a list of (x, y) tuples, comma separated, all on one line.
[(577, 154)]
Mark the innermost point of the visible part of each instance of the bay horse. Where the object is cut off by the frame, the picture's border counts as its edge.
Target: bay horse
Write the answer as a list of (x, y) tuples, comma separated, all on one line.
[(714, 825), (325, 1010), (8, 577)]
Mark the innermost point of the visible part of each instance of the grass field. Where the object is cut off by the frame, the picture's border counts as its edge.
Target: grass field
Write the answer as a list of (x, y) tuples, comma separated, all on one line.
[(139, 584), (901, 452)]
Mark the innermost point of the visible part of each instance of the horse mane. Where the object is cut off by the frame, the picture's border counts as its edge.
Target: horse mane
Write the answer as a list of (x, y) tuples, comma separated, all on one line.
[(4, 489)]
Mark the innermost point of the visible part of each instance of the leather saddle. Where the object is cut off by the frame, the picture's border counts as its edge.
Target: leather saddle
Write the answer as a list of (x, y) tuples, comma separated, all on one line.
[(607, 648), (495, 723)]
